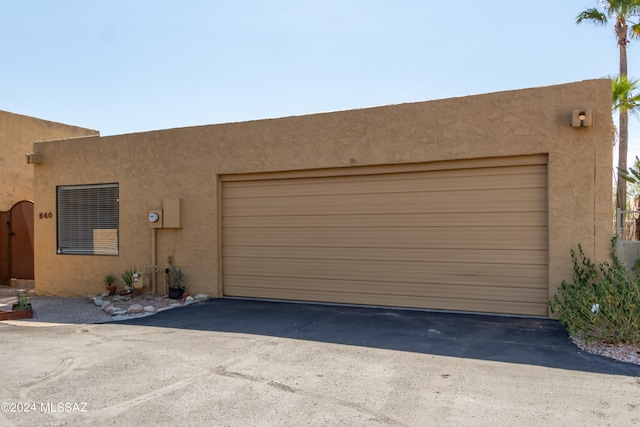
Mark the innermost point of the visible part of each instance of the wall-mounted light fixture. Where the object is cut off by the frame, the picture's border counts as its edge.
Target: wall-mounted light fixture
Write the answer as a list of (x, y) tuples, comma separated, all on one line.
[(581, 118), (34, 158)]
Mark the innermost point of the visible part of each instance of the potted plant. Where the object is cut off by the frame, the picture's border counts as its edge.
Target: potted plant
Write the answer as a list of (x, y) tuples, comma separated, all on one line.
[(176, 287), (23, 301), (108, 283), (20, 310), (127, 279)]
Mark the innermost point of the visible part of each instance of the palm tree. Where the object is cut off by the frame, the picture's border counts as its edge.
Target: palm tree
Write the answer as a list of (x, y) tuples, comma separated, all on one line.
[(625, 95), (622, 12)]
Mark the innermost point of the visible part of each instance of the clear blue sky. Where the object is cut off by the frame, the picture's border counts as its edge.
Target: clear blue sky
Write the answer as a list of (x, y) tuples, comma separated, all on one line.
[(122, 66)]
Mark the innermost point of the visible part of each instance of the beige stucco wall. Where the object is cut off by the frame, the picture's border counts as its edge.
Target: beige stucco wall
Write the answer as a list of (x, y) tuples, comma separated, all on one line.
[(17, 135), (187, 162)]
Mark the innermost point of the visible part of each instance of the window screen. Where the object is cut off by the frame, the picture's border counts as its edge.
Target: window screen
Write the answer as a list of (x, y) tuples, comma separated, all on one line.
[(88, 219)]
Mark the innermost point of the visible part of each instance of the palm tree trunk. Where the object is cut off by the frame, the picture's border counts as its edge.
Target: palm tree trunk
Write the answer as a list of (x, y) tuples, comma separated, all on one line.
[(622, 159), (623, 142), (621, 33)]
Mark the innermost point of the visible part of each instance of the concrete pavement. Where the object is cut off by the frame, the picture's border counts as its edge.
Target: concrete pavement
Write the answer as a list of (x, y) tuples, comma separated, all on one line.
[(243, 363)]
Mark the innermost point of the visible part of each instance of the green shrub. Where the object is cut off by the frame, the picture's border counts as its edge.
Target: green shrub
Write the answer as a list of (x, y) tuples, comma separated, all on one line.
[(176, 278), (601, 305), (23, 300), (127, 277), (109, 279)]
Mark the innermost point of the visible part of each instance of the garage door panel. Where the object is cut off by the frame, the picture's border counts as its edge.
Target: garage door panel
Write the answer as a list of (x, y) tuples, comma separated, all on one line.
[(511, 275), (384, 174), (380, 185), (465, 238), (391, 288), (452, 219), (391, 237), (482, 255), (411, 200), (504, 207), (499, 207), (457, 302)]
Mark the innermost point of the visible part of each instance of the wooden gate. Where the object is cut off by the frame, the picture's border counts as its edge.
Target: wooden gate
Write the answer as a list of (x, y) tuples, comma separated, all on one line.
[(21, 240), (4, 248)]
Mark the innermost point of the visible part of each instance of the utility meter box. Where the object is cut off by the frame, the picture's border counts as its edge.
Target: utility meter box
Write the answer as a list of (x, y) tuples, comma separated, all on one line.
[(139, 280), (171, 209), (155, 218)]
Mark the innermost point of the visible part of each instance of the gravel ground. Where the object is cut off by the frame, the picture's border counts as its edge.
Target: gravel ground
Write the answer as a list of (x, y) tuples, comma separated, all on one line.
[(83, 310), (623, 353)]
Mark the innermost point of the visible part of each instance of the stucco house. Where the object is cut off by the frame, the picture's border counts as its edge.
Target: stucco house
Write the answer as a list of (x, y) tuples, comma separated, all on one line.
[(469, 204), (17, 134)]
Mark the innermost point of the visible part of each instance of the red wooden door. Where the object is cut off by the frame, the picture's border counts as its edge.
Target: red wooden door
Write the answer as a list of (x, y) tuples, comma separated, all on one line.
[(4, 248), (21, 240)]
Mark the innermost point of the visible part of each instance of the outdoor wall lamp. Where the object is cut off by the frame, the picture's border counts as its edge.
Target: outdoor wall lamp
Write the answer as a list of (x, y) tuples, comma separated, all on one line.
[(581, 118)]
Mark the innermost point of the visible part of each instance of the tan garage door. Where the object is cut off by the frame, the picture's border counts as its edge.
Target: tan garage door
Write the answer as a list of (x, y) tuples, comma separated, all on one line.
[(466, 235)]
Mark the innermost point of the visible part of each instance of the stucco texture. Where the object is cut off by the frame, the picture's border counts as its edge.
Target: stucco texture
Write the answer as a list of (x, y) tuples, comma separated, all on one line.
[(187, 163), (17, 135)]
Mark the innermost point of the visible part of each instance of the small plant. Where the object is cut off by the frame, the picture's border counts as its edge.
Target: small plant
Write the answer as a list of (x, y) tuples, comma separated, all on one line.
[(176, 278), (23, 300), (602, 304), (109, 279), (127, 278)]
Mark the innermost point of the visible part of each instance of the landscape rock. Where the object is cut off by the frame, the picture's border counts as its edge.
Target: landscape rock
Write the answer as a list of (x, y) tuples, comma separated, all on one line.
[(112, 310), (123, 306), (135, 308)]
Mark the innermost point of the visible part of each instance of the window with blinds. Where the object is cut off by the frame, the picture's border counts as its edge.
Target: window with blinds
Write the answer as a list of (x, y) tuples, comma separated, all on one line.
[(88, 219)]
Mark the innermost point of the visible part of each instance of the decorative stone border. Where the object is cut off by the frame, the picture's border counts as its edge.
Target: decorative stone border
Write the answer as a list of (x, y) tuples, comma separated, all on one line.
[(125, 307)]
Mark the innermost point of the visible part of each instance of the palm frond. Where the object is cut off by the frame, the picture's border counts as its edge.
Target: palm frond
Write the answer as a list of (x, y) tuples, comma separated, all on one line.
[(625, 94), (632, 174), (593, 15), (624, 8), (634, 31)]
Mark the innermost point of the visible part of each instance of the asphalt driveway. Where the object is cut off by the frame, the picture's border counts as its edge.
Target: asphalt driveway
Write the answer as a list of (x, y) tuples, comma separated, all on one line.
[(530, 341), (255, 363)]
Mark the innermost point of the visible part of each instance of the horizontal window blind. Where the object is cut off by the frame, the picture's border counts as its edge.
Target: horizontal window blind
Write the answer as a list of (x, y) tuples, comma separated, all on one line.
[(88, 219)]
